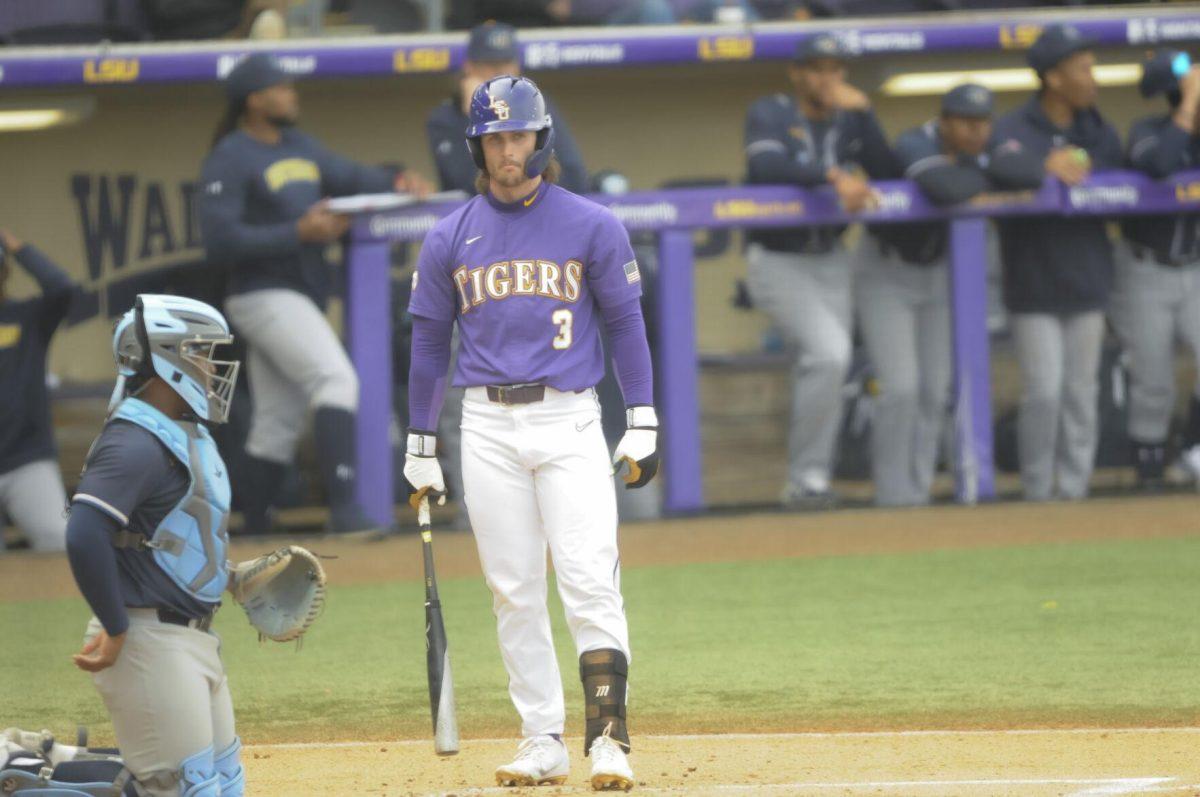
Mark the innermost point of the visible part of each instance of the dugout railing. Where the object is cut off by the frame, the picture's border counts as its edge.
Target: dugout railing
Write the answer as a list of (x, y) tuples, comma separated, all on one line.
[(674, 215), (582, 48)]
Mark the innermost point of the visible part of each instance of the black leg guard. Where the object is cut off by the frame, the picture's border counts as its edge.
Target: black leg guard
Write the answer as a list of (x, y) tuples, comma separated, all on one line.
[(605, 675)]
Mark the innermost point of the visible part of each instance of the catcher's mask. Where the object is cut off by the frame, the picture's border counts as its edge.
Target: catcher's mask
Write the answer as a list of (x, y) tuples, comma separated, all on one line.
[(175, 339)]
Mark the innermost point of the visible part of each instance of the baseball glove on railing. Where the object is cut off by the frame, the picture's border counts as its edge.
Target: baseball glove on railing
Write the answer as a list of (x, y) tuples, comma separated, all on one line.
[(282, 592)]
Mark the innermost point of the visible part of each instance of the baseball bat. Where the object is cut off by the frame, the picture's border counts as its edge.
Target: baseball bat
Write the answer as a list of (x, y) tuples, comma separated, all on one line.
[(437, 654)]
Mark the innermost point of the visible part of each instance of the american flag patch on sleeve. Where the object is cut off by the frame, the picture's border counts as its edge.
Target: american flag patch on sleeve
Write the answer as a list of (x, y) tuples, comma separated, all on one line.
[(632, 274)]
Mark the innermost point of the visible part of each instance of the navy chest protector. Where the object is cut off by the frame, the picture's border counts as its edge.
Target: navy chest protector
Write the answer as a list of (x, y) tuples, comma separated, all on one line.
[(192, 541)]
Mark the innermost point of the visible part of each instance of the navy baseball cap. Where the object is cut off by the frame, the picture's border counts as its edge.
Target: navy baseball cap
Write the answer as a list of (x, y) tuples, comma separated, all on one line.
[(1055, 45), (254, 73), (492, 42), (823, 45), (969, 99), (1161, 72)]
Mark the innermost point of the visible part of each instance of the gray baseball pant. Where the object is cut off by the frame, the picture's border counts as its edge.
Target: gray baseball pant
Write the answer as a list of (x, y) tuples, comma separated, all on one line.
[(809, 299), (33, 498), (1059, 358), (296, 363), (1153, 304), (168, 699), (904, 315)]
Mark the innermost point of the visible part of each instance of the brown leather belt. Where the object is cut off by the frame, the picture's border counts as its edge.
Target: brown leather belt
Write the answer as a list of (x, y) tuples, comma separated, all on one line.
[(509, 395)]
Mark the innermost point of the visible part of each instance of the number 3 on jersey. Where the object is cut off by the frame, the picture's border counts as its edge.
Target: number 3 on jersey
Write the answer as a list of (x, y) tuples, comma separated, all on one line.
[(563, 319)]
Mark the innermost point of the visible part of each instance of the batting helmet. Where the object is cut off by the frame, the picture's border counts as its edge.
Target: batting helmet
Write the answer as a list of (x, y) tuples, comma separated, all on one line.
[(174, 338), (508, 103)]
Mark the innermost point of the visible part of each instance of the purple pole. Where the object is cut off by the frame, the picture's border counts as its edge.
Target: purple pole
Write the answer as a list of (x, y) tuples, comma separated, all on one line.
[(369, 328), (677, 370), (974, 473)]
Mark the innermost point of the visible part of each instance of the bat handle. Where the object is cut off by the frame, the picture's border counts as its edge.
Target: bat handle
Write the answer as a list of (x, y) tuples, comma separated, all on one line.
[(423, 512)]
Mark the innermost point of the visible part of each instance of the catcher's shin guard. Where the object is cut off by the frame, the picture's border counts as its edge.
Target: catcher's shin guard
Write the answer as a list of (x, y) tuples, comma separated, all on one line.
[(229, 767), (605, 676)]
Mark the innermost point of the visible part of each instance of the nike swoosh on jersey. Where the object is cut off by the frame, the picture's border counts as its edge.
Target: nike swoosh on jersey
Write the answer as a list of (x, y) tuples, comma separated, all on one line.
[(473, 240)]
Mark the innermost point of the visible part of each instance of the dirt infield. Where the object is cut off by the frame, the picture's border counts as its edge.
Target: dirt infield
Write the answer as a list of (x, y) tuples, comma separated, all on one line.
[(27, 576), (915, 764)]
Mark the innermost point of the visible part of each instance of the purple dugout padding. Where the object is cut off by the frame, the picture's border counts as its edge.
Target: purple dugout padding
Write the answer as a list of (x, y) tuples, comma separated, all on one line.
[(675, 212), (369, 333), (582, 48), (683, 488), (974, 470)]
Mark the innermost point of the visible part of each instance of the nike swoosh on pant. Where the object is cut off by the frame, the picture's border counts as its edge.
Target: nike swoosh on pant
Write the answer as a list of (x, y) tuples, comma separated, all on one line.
[(579, 427)]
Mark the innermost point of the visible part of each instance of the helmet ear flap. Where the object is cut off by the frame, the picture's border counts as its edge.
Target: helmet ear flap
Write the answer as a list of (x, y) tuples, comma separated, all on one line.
[(137, 355), (543, 149), (143, 366), (476, 148)]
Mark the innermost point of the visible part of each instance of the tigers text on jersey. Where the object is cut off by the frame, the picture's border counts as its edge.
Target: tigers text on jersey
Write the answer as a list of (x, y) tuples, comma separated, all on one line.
[(525, 283)]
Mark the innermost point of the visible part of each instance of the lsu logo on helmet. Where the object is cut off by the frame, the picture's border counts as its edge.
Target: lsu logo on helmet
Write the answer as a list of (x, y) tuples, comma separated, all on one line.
[(501, 109)]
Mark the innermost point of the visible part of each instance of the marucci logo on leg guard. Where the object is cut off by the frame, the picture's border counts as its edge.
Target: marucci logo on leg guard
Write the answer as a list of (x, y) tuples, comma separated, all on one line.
[(602, 691)]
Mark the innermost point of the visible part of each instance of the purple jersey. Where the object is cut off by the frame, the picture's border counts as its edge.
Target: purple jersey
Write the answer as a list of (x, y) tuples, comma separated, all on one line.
[(525, 282)]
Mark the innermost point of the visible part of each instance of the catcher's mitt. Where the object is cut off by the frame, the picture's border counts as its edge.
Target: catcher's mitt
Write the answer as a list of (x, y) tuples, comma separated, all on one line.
[(282, 592)]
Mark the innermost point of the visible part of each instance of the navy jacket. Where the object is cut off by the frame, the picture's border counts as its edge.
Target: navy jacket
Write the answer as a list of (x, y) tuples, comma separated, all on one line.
[(253, 194), (1055, 264), (26, 327), (949, 180), (446, 130), (783, 146), (1158, 147)]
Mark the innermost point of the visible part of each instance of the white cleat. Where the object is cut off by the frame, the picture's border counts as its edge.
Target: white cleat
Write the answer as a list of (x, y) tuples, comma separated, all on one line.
[(610, 767), (541, 761)]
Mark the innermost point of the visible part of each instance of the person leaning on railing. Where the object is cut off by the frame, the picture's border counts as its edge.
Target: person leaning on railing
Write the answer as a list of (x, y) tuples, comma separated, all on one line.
[(31, 487), (1058, 272), (902, 288), (1158, 276), (823, 133)]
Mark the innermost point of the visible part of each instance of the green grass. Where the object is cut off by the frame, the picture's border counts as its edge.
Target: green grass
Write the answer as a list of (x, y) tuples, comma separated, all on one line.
[(1091, 634)]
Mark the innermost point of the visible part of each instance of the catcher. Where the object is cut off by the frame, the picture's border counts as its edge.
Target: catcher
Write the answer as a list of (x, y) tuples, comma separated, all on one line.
[(147, 544)]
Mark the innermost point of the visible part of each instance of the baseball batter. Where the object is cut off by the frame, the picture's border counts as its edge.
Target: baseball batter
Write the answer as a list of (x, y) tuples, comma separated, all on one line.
[(527, 271), (1158, 277), (147, 543)]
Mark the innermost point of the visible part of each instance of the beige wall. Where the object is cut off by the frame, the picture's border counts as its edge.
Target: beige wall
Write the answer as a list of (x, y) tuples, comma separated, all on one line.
[(651, 124)]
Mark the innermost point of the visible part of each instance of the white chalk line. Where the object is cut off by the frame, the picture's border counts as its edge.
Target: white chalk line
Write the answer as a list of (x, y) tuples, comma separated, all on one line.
[(1128, 786), (1096, 787), (671, 737)]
